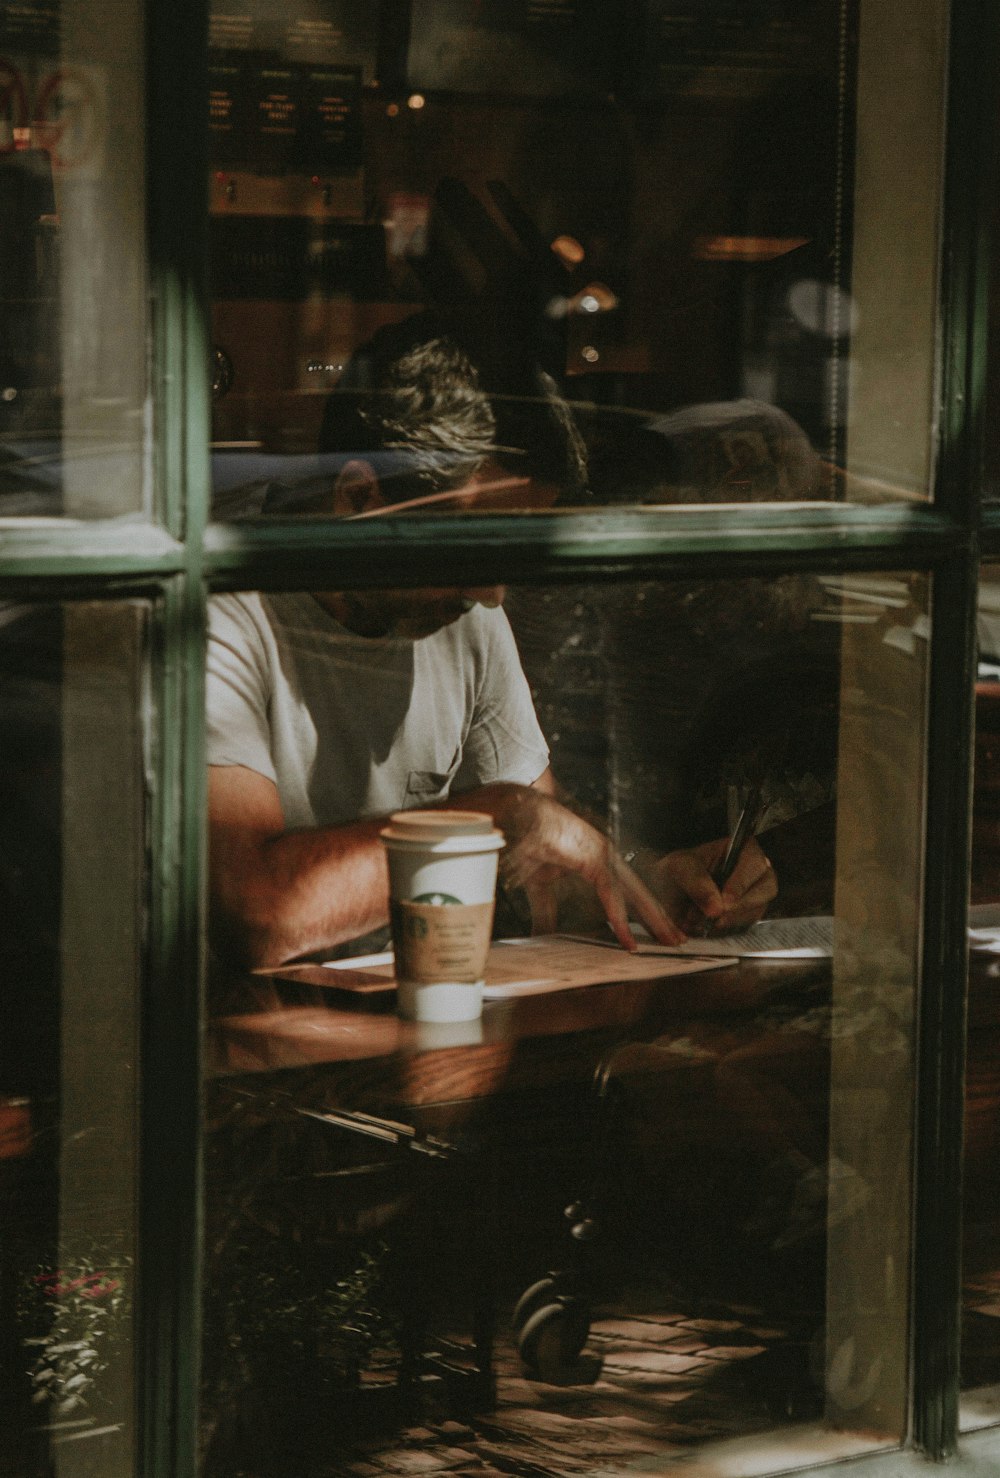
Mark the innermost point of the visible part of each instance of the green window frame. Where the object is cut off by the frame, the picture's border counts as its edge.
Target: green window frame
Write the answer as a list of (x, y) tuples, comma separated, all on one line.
[(179, 558)]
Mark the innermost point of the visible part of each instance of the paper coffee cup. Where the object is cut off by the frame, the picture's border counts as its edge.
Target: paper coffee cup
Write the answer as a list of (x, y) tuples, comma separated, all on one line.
[(442, 893)]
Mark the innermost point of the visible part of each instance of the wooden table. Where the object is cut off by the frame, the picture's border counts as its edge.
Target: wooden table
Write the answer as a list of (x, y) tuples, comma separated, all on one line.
[(297, 1031)]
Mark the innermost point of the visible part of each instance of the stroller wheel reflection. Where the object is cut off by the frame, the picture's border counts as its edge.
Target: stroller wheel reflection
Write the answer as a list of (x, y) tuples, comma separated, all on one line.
[(552, 1338), (534, 1298)]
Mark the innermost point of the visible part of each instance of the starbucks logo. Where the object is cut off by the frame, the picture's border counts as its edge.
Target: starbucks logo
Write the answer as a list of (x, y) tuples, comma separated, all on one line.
[(436, 898)]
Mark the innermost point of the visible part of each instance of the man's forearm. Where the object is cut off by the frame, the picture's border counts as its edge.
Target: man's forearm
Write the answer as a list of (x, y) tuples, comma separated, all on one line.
[(280, 897)]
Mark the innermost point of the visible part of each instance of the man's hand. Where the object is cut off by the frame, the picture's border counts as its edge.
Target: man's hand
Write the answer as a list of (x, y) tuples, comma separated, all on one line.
[(546, 842), (278, 895), (685, 878)]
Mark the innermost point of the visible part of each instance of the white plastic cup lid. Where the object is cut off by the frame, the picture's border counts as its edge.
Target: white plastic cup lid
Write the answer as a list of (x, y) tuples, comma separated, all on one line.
[(437, 826)]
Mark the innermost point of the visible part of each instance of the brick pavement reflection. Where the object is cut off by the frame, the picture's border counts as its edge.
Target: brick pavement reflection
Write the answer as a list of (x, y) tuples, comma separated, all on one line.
[(668, 1379)]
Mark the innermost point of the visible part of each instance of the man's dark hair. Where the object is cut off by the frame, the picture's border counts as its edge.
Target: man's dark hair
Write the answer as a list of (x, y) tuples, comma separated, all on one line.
[(416, 410), (425, 403)]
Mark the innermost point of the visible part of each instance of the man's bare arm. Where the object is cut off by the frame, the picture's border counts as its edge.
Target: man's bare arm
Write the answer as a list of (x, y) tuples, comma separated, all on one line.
[(681, 881), (276, 894), (546, 782)]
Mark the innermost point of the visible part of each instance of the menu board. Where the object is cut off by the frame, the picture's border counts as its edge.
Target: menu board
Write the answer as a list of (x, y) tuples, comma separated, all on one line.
[(330, 32), (278, 117), (724, 49), (535, 48), (274, 97), (228, 101), (285, 83), (30, 26), (330, 119), (292, 259), (715, 49)]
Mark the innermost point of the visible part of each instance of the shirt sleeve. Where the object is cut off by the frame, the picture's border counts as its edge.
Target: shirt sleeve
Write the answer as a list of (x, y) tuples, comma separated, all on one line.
[(237, 691), (504, 741)]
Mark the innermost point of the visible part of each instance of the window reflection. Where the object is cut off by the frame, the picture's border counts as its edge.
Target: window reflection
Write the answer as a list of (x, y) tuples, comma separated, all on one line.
[(72, 848), (658, 216), (981, 1331), (72, 233), (611, 1217)]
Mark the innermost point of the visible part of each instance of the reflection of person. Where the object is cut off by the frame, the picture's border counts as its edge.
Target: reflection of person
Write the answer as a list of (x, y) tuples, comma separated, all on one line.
[(328, 710)]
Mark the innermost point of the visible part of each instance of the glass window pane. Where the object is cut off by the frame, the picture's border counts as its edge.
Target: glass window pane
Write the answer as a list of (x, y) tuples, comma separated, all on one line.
[(391, 1277), (681, 223), (72, 766), (991, 435), (980, 1403), (72, 260)]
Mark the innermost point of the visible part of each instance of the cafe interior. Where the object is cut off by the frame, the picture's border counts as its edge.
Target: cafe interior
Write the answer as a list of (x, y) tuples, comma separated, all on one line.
[(632, 1210)]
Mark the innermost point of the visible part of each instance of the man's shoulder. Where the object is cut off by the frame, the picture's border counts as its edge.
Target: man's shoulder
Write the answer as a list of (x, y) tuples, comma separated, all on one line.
[(246, 606), (251, 611), (479, 629), (480, 652), (241, 625)]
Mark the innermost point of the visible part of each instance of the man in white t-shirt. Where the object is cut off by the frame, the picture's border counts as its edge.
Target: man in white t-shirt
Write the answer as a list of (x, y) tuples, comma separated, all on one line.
[(327, 711)]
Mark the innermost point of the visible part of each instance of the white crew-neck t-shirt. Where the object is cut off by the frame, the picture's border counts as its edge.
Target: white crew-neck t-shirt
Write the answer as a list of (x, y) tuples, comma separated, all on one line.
[(348, 726)]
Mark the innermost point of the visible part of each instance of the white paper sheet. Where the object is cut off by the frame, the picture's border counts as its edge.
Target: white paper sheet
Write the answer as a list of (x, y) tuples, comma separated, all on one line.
[(535, 966), (549, 962), (771, 939)]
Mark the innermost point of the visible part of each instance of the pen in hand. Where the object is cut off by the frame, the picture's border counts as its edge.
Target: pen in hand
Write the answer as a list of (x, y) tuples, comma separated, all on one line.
[(726, 866)]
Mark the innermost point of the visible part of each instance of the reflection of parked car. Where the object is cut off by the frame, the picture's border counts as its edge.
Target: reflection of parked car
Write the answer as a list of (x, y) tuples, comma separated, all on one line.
[(32, 476), (740, 451), (105, 476), (736, 451)]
